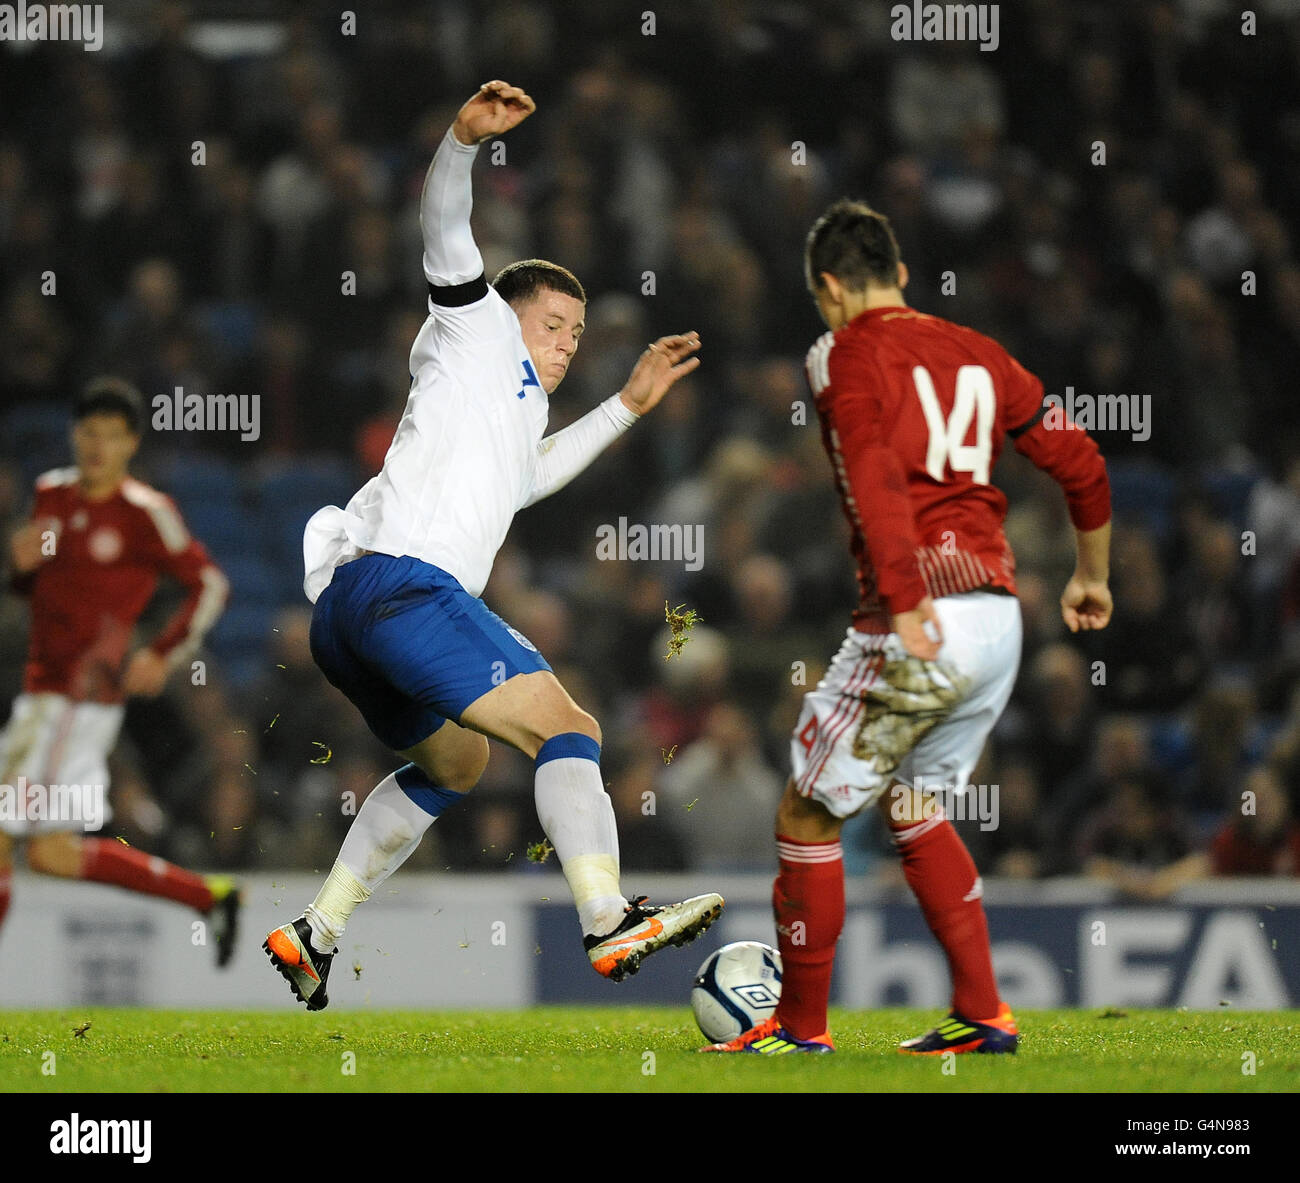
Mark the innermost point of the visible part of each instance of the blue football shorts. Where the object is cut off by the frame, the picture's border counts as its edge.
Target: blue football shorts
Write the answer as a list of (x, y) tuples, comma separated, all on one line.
[(410, 647)]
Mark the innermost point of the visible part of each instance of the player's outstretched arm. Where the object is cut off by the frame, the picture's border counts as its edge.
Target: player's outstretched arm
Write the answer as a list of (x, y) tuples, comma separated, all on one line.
[(560, 457), (1086, 601), (451, 257)]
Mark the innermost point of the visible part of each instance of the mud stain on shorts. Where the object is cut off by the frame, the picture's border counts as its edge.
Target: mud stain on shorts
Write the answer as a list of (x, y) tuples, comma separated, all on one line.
[(905, 700)]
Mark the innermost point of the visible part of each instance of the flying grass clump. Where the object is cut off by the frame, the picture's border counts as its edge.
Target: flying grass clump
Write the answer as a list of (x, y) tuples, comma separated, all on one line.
[(680, 621), (539, 852)]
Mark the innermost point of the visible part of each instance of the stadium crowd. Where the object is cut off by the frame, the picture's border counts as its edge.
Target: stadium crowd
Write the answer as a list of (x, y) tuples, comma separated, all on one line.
[(233, 209)]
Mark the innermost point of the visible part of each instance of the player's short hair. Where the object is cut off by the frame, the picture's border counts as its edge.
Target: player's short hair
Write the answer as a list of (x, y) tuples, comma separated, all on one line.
[(111, 396), (520, 282), (855, 244)]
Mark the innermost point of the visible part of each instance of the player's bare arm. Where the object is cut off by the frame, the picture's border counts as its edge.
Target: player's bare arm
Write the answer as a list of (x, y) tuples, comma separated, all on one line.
[(662, 364), (1086, 601), (494, 110)]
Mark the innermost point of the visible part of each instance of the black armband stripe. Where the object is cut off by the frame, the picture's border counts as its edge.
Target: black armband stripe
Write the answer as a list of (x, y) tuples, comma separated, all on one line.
[(1017, 432), (457, 295)]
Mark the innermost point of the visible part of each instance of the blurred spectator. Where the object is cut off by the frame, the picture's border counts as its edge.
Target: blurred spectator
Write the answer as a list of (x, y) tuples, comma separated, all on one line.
[(1260, 838), (1263, 835), (1017, 843), (1215, 602), (1059, 728), (768, 639), (1132, 836), (1149, 655), (675, 709), (649, 829), (726, 793), (1222, 741), (1122, 752)]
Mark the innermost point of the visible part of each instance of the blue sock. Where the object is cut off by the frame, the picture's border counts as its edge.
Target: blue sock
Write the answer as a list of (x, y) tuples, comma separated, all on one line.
[(415, 783)]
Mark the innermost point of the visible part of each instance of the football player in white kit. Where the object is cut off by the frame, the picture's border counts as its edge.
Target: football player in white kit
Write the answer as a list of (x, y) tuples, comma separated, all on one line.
[(396, 576)]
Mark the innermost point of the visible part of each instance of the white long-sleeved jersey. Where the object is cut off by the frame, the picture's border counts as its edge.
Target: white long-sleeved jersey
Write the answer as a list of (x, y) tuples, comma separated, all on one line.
[(468, 453)]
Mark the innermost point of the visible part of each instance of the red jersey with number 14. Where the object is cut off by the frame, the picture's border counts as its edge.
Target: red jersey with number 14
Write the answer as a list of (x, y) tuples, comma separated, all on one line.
[(914, 411)]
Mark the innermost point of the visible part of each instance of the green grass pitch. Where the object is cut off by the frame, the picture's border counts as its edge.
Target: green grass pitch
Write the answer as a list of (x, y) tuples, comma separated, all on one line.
[(629, 1050)]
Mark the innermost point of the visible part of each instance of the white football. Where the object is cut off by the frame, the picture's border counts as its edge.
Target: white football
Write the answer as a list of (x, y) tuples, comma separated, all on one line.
[(736, 989)]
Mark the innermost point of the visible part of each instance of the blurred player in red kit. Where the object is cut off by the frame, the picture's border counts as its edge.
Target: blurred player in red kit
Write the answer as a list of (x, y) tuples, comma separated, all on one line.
[(913, 410), (88, 562)]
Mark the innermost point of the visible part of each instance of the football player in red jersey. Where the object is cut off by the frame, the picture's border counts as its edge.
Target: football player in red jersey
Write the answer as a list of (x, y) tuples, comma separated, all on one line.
[(88, 561), (914, 411)]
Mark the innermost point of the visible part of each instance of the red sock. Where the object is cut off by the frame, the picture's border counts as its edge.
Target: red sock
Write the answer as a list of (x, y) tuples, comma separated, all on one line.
[(105, 860), (942, 875), (6, 882), (808, 901)]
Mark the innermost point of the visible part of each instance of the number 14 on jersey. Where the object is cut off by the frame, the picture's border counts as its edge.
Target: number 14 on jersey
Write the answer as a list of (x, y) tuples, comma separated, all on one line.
[(973, 399)]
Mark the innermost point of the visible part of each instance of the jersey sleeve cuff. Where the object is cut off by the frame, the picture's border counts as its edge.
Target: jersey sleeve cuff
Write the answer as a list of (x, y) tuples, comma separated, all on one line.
[(906, 598), (1091, 515), (619, 412), (457, 146)]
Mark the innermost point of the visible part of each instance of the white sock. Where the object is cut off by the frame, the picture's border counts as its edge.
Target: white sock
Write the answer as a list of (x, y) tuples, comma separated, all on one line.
[(383, 835), (578, 817)]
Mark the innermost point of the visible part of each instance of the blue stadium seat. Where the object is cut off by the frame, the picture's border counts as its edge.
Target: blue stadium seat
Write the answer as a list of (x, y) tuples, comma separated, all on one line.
[(231, 326), (196, 478), (35, 437), (1171, 746), (284, 550), (1229, 492), (243, 625), (288, 497), (310, 482), (251, 582), (1143, 491), (209, 493), (240, 640), (223, 528)]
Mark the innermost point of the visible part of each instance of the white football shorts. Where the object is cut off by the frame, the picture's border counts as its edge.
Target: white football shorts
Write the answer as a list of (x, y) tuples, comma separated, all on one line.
[(54, 763), (880, 716)]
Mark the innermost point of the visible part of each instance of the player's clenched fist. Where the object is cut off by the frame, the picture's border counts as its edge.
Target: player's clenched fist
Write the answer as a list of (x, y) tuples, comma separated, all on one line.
[(1086, 604), (496, 108)]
